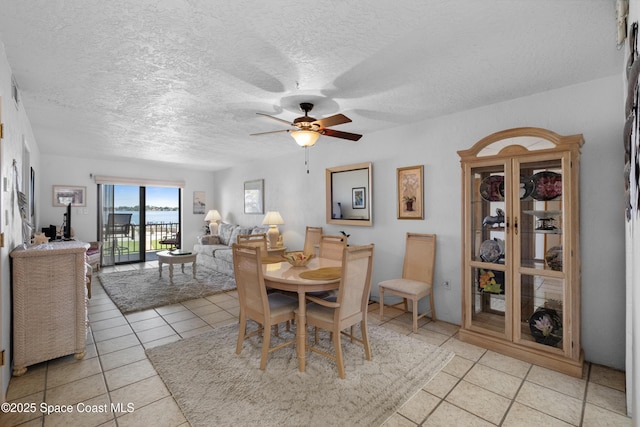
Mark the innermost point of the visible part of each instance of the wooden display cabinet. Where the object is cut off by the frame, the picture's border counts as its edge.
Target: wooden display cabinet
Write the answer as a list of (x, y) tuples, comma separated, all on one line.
[(521, 254)]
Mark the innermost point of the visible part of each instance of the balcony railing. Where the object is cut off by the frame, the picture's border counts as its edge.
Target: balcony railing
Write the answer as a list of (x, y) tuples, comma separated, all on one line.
[(126, 247)]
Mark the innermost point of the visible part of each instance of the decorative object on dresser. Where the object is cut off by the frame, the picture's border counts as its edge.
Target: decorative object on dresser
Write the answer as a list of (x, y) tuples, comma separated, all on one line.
[(521, 267), (49, 302), (273, 219), (213, 217)]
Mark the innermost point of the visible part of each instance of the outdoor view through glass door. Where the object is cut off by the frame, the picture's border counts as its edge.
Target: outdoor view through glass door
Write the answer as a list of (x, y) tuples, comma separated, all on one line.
[(134, 234)]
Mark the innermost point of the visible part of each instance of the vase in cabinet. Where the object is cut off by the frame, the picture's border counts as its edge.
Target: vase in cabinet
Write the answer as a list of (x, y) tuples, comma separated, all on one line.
[(521, 257)]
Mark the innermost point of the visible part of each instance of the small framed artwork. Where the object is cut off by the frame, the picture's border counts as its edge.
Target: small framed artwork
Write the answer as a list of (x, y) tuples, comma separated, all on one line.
[(410, 193), (254, 196), (358, 198), (199, 202), (65, 194)]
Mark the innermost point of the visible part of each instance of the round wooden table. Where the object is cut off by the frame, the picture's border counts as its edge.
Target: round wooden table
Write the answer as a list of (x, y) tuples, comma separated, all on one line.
[(165, 257), (285, 277)]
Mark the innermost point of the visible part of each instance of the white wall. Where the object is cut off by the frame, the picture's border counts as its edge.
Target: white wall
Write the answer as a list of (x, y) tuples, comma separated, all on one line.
[(17, 135), (55, 170), (592, 108)]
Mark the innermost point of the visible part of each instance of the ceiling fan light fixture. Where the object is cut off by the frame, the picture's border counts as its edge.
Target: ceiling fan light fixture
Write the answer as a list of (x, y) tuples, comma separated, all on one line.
[(305, 138)]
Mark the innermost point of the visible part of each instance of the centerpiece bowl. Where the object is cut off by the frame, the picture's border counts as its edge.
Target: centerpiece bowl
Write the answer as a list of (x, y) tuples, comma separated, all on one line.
[(297, 259)]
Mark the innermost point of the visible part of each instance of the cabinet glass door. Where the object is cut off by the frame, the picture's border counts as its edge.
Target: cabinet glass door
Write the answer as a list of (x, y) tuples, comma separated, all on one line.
[(539, 281), (489, 291)]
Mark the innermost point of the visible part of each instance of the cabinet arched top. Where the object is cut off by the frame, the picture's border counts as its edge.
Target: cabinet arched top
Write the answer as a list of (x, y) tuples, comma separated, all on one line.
[(521, 140)]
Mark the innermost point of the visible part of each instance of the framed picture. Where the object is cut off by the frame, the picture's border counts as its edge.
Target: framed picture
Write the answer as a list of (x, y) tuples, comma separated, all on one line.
[(358, 198), (254, 196), (65, 194), (199, 202), (410, 193)]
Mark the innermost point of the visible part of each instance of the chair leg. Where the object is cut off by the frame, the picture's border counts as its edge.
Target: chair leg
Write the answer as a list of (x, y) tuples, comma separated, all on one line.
[(381, 303), (415, 315), (365, 340), (266, 342), (241, 333), (338, 349), (433, 307)]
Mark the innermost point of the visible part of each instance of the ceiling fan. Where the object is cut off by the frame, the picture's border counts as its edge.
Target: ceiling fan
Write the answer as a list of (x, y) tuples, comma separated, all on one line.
[(306, 130)]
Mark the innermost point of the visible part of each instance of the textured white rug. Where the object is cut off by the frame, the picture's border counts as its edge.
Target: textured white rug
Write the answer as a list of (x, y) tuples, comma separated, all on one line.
[(142, 289), (215, 387)]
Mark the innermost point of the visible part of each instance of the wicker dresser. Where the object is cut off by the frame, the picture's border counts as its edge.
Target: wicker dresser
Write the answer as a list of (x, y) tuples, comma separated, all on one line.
[(49, 303)]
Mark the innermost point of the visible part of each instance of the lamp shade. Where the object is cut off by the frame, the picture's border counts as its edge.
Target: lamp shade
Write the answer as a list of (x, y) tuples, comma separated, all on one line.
[(273, 218), (305, 138), (213, 215)]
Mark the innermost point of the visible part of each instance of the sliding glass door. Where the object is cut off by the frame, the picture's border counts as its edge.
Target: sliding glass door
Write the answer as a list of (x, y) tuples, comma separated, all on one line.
[(135, 222)]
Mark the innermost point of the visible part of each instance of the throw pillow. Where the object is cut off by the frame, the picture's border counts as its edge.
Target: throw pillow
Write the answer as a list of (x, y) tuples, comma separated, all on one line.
[(224, 231)]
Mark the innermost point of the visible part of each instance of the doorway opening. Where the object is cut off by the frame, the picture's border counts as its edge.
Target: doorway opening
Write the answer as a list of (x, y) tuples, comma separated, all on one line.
[(136, 222)]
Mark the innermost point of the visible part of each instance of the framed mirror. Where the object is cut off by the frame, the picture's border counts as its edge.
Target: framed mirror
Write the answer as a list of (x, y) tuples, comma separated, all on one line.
[(349, 190)]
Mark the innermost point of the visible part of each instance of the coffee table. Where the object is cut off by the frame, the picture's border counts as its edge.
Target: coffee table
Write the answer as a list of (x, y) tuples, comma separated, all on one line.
[(165, 257)]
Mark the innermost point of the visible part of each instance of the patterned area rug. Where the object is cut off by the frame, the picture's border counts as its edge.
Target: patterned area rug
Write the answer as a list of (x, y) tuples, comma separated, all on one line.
[(143, 289), (213, 386)]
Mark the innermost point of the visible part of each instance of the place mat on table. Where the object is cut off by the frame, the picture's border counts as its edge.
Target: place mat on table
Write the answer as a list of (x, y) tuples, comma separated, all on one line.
[(271, 259), (325, 273)]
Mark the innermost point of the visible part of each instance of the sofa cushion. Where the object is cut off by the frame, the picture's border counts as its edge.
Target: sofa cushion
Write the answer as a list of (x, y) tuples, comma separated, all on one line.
[(260, 229), (238, 231), (209, 239), (224, 232)]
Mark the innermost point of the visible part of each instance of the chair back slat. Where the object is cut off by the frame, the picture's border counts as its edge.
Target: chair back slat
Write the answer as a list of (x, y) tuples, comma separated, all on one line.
[(255, 240), (419, 257), (332, 247), (311, 240), (252, 291), (355, 284)]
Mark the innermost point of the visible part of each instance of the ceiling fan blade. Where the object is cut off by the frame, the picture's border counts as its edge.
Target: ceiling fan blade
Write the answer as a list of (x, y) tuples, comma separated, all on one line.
[(337, 119), (267, 133), (275, 118), (340, 134)]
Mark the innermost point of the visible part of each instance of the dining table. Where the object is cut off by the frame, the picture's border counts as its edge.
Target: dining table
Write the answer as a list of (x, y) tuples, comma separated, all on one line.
[(319, 275)]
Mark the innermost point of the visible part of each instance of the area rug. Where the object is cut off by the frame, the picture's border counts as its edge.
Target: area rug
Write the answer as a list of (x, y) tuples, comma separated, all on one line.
[(143, 289), (215, 387)]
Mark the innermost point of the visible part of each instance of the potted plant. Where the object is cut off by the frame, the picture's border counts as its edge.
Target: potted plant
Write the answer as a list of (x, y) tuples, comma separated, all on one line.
[(408, 200)]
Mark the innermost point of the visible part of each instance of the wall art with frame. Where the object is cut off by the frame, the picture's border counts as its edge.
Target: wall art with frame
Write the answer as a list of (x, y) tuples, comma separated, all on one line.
[(410, 192), (199, 202), (254, 196), (358, 198), (65, 194)]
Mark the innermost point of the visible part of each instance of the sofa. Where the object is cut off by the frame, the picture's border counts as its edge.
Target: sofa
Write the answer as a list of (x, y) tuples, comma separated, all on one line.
[(214, 251)]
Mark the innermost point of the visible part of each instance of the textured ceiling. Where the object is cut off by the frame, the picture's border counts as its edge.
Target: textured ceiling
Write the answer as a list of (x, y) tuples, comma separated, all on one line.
[(180, 81)]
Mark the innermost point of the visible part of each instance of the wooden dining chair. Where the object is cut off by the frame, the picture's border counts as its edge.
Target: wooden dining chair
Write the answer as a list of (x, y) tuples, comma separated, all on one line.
[(255, 304), (259, 240), (349, 308), (417, 277), (311, 240), (331, 246)]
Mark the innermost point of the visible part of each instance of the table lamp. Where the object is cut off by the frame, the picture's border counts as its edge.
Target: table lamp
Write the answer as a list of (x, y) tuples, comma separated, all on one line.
[(273, 219), (213, 216)]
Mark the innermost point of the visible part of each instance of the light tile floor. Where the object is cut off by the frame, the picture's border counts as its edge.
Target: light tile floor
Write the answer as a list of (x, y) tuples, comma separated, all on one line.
[(477, 388)]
